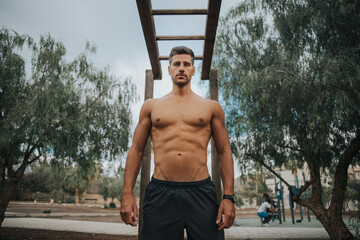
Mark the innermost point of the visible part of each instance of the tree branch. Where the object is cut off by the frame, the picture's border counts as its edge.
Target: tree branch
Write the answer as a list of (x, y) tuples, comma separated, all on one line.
[(282, 71), (305, 186), (25, 161), (291, 148), (270, 169), (34, 159), (10, 170), (102, 93)]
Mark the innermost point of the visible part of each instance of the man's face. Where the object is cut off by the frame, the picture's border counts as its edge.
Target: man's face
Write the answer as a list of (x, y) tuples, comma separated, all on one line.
[(181, 69)]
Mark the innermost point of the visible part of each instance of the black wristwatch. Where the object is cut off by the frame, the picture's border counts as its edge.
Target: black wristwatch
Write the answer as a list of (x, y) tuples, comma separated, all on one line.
[(230, 197)]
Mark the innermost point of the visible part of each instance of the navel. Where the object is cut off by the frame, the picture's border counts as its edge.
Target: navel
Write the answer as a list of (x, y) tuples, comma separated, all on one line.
[(201, 120), (179, 154), (158, 120)]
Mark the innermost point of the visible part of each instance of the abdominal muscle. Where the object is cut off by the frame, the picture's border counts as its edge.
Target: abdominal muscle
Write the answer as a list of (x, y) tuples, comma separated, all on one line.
[(182, 157)]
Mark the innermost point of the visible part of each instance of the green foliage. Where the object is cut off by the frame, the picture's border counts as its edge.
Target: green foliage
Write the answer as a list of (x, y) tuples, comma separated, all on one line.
[(111, 187), (57, 195), (35, 181), (112, 205), (105, 188), (42, 196), (289, 75), (71, 110), (67, 111), (115, 189), (69, 199), (250, 194), (75, 178), (262, 187), (239, 201)]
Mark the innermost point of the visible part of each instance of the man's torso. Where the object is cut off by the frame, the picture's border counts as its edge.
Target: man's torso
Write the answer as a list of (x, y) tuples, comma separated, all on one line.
[(180, 132)]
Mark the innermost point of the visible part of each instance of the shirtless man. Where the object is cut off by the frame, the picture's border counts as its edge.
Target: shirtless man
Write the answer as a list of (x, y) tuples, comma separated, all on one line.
[(180, 195)]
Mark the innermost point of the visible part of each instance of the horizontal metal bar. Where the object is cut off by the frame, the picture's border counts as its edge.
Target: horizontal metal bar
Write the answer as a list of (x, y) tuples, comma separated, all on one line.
[(179, 11), (190, 37), (166, 58)]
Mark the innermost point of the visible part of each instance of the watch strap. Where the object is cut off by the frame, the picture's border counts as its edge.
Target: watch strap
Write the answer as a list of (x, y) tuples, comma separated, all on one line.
[(230, 197)]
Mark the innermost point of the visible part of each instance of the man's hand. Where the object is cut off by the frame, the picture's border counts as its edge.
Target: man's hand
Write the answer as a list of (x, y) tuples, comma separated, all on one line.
[(128, 210), (226, 208)]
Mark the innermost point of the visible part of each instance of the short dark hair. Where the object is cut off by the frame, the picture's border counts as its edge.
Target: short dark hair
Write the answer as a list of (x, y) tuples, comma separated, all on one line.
[(181, 50)]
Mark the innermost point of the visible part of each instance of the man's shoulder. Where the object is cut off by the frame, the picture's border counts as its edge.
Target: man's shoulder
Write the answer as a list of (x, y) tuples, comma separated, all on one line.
[(150, 101), (148, 105), (215, 106), (206, 101)]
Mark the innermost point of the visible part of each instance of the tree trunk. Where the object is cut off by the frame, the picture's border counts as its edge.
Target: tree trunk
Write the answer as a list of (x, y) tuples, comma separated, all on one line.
[(14, 178), (256, 182), (77, 195), (5, 199), (3, 207), (331, 219), (333, 224), (338, 229)]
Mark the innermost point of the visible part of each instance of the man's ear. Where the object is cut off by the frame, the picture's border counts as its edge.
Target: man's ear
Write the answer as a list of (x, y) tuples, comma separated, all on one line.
[(169, 70)]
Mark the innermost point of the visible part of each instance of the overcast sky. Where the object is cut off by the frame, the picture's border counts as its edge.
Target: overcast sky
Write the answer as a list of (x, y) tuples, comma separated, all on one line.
[(114, 27)]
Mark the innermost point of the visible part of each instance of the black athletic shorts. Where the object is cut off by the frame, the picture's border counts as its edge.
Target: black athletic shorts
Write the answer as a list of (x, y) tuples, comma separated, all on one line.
[(171, 207)]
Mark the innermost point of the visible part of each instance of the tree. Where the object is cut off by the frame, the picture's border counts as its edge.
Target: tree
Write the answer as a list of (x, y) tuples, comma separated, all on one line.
[(104, 191), (75, 181), (68, 111), (290, 76), (115, 189)]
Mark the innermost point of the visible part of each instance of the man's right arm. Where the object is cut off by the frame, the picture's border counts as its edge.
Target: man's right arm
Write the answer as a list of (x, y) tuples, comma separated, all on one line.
[(129, 210)]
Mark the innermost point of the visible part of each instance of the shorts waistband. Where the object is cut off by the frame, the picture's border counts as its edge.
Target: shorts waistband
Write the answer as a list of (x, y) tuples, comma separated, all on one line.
[(180, 184)]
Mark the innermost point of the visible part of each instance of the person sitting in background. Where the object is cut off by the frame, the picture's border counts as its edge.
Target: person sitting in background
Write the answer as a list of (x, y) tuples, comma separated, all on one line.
[(264, 210)]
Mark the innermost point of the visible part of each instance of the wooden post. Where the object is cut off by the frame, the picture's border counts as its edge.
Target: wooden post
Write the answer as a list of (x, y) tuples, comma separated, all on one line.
[(215, 166), (146, 161)]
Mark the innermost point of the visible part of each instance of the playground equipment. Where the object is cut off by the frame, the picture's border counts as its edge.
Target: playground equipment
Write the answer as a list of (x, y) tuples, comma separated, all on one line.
[(277, 202), (276, 207), (295, 190), (280, 194)]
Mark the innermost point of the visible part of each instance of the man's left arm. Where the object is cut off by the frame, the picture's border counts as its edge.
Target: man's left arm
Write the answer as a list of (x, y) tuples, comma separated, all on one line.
[(222, 144)]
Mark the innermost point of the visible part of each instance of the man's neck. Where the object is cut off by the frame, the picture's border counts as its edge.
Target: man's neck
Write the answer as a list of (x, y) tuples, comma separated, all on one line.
[(182, 91)]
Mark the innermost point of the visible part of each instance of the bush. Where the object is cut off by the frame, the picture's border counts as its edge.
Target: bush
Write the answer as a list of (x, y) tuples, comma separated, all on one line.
[(35, 180), (42, 196), (57, 195), (69, 199), (238, 201), (112, 205)]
